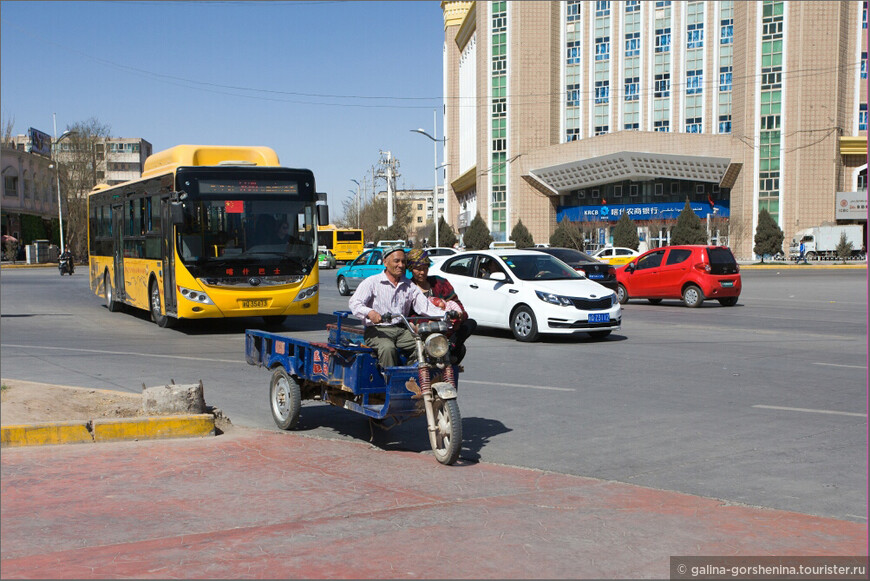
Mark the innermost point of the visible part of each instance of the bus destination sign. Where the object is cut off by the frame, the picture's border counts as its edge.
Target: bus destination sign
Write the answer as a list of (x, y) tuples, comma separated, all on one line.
[(248, 186)]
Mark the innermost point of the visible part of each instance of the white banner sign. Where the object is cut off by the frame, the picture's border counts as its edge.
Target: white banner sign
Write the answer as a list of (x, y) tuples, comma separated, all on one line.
[(852, 205)]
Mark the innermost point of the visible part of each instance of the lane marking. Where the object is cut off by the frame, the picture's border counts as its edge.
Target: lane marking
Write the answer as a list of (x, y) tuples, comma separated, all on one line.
[(121, 353), (832, 412), (499, 384), (838, 365)]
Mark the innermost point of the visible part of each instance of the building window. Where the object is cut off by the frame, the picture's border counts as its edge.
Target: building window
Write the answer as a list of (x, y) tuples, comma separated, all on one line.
[(632, 89), (663, 3), (660, 189), (724, 78), (632, 44), (726, 35), (573, 11), (617, 191), (633, 190), (632, 5), (862, 117), (724, 123), (602, 48), (864, 17), (693, 125), (694, 82), (601, 129), (663, 39), (663, 126), (662, 85), (863, 65), (602, 8), (695, 36), (602, 92), (10, 186)]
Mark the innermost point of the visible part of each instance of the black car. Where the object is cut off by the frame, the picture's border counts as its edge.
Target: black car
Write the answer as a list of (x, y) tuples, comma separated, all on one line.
[(601, 272)]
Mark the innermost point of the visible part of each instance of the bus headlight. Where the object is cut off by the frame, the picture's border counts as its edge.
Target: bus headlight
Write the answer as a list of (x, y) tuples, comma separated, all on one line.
[(437, 345), (195, 296), (306, 293)]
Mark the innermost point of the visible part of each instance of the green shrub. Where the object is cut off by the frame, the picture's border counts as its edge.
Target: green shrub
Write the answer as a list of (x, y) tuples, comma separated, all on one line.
[(688, 229), (477, 237), (625, 233), (768, 236), (521, 235)]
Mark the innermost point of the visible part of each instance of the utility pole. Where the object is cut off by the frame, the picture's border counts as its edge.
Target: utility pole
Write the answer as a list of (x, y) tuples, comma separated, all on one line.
[(389, 165)]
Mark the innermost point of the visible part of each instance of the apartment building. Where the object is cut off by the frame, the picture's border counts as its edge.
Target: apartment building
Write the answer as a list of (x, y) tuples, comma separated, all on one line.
[(587, 110)]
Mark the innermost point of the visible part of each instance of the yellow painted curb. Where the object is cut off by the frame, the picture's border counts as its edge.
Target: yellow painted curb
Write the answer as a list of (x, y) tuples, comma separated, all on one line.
[(108, 430), (150, 428), (45, 433)]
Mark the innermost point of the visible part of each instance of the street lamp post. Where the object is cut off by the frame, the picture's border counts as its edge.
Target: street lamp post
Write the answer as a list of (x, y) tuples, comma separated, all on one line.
[(435, 142), (57, 173), (357, 201)]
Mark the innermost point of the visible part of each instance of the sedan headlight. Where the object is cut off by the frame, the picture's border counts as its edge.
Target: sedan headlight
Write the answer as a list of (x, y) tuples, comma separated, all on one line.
[(195, 296), (437, 345), (555, 299), (306, 293)]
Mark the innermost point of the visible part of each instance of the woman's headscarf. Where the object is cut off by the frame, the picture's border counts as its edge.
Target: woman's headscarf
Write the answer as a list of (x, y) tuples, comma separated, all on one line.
[(418, 258)]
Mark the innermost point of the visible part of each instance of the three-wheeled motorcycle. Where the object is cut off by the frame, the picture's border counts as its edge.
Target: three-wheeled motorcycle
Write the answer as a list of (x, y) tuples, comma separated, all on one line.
[(345, 373)]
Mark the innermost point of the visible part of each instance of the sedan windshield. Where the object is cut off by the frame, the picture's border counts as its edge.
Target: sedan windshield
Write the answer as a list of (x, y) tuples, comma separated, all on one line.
[(538, 267)]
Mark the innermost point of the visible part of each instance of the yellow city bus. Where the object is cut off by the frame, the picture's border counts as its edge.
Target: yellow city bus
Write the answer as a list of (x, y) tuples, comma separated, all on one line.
[(208, 232), (345, 243)]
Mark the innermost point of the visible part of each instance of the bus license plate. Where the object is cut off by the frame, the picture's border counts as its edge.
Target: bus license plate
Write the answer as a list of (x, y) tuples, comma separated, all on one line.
[(728, 283), (599, 318), (254, 303)]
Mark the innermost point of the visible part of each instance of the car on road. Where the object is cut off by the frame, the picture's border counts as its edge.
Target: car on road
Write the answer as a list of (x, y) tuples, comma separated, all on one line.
[(370, 262), (615, 255), (325, 258), (603, 274), (439, 253), (692, 273), (530, 293)]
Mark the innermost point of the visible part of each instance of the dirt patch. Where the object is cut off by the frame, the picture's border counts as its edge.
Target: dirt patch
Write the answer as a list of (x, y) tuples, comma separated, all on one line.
[(27, 402)]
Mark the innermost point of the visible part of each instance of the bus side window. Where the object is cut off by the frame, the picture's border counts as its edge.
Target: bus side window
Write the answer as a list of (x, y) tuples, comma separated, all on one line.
[(191, 247)]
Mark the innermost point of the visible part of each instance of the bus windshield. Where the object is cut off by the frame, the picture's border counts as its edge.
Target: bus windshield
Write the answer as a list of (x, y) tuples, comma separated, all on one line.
[(272, 236)]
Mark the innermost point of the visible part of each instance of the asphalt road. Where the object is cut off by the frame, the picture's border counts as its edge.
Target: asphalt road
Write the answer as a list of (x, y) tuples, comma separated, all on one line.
[(764, 403)]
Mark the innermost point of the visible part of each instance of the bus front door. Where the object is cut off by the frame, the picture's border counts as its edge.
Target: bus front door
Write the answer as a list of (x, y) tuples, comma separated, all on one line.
[(168, 244), (118, 252)]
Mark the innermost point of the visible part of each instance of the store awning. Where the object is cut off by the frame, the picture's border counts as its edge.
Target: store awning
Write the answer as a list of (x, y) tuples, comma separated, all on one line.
[(635, 166)]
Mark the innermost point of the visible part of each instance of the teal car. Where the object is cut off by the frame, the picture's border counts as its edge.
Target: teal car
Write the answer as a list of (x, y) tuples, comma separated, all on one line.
[(370, 262)]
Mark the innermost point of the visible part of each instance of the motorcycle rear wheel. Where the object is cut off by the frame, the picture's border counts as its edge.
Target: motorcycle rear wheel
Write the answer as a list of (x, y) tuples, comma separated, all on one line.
[(446, 441)]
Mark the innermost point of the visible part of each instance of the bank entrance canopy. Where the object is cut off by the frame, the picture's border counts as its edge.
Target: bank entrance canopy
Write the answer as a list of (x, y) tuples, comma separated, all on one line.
[(634, 166)]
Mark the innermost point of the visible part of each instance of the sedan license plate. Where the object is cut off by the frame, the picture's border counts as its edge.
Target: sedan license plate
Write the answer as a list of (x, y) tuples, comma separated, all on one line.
[(254, 303), (599, 318), (728, 283), (596, 276)]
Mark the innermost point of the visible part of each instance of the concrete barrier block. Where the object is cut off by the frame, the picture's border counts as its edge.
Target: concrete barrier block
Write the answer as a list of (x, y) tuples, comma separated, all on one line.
[(173, 399)]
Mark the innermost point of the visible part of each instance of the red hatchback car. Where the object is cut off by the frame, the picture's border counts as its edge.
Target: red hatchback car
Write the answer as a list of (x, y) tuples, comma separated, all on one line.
[(690, 273)]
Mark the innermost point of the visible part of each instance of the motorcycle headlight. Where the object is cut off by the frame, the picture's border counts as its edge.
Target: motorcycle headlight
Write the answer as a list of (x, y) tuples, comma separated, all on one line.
[(437, 345)]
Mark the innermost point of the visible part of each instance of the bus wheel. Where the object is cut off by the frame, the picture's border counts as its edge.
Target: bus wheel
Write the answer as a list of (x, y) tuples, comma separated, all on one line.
[(111, 303), (161, 320)]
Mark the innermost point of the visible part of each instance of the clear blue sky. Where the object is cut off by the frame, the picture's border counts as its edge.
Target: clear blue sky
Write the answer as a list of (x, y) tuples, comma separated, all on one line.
[(325, 84)]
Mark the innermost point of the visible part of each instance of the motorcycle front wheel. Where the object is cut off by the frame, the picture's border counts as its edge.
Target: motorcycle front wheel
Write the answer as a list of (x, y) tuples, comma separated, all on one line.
[(447, 439)]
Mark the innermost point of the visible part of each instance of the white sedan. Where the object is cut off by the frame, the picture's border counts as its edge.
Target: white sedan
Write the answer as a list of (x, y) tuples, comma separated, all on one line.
[(439, 253), (529, 293)]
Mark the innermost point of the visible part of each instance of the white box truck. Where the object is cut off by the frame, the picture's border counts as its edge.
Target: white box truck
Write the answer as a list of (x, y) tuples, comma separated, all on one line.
[(821, 242)]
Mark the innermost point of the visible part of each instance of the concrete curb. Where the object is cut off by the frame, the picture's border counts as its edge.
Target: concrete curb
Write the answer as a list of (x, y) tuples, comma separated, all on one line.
[(108, 430)]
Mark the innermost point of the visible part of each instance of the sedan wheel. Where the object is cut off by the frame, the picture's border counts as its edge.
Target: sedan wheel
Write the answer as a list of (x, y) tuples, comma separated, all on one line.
[(622, 294), (343, 289), (693, 297), (524, 325)]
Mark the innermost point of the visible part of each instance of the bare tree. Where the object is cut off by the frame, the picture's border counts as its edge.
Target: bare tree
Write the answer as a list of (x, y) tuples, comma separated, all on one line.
[(79, 163), (6, 128), (656, 227)]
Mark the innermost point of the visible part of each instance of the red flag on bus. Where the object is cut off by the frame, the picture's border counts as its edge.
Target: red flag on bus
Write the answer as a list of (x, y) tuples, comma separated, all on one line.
[(234, 207)]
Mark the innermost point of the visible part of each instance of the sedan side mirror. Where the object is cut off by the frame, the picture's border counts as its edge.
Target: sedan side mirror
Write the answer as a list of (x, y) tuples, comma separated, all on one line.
[(499, 276), (629, 267)]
